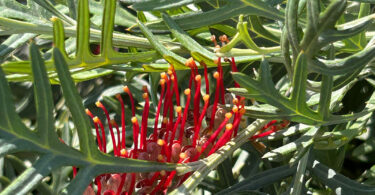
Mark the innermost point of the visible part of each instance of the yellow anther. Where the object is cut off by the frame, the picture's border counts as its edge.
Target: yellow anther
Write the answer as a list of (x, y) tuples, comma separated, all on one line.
[(187, 91), (178, 109), (123, 152), (198, 77), (216, 75), (160, 142), (183, 155), (164, 76), (98, 104), (126, 89), (145, 95), (228, 115), (228, 126), (206, 98), (96, 119)]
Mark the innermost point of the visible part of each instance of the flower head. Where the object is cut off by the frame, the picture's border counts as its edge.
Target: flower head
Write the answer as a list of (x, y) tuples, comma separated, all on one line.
[(179, 135)]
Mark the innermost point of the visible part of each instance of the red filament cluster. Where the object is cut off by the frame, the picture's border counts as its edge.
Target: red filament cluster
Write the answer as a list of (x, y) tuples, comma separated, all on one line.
[(180, 134)]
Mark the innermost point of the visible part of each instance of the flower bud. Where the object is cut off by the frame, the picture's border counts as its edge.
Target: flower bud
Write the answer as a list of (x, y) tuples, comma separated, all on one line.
[(176, 149)]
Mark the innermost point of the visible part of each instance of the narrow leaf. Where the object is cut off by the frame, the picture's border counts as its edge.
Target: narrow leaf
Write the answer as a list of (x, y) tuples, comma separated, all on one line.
[(177, 61), (74, 103), (43, 98)]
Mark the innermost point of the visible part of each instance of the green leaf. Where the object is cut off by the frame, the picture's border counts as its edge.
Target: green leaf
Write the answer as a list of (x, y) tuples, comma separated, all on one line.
[(327, 20), (296, 129), (74, 103), (365, 148), (291, 24), (31, 177), (48, 6), (159, 5), (325, 96), (299, 177), (335, 139), (12, 43), (243, 36), (20, 167), (233, 8), (10, 121), (123, 17), (337, 182), (83, 31), (345, 65), (257, 27), (225, 173), (187, 41), (177, 61), (303, 142), (312, 8), (298, 96), (261, 179), (43, 98), (331, 35)]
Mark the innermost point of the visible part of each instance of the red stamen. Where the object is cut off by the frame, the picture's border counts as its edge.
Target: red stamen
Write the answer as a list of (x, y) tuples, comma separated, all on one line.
[(170, 124), (169, 179), (161, 183), (88, 112), (100, 105), (132, 185), (99, 185), (119, 189), (153, 178), (155, 134), (168, 95), (234, 69), (188, 94), (237, 121), (173, 173), (135, 134), (123, 137), (213, 137), (273, 129), (191, 64), (118, 146), (197, 98), (175, 84), (264, 134), (127, 90), (74, 171), (236, 114), (178, 110), (206, 77), (165, 149), (144, 121), (221, 88), (206, 99), (223, 139), (98, 121), (216, 100), (269, 124)]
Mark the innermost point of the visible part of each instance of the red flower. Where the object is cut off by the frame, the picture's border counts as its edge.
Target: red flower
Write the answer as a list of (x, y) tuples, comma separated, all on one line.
[(180, 138)]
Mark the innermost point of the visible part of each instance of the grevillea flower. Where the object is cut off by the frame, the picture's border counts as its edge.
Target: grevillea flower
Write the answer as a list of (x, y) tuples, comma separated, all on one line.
[(179, 134)]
